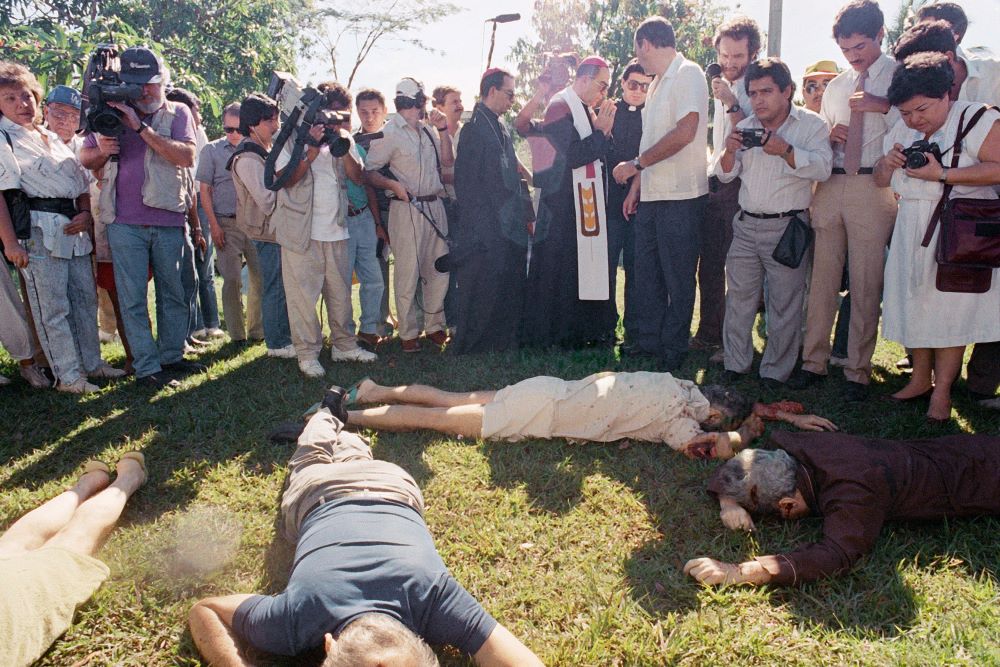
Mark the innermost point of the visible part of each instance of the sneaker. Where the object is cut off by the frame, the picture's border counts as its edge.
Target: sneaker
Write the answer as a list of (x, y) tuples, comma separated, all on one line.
[(357, 354), (839, 362), (106, 370), (35, 377), (200, 333), (157, 382), (212, 332), (718, 357), (439, 338), (106, 337), (312, 368), (81, 386), (184, 367), (410, 345), (333, 400), (992, 403), (287, 352)]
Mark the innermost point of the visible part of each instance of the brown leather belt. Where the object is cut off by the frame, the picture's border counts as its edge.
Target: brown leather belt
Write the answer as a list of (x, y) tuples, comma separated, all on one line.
[(772, 216), (863, 171), (426, 198), (351, 211)]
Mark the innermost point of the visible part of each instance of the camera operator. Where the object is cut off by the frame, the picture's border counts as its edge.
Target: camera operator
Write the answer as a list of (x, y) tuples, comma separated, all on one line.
[(145, 196), (415, 151), (310, 223), (776, 185)]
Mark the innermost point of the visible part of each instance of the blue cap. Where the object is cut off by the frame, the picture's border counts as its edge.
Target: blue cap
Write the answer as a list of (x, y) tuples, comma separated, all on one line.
[(64, 95)]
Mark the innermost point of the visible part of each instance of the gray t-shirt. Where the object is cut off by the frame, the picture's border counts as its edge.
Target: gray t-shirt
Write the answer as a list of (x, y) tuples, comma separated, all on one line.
[(212, 171)]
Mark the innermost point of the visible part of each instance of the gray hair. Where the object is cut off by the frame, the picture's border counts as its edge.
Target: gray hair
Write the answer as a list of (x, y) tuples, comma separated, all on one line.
[(379, 639), (756, 479)]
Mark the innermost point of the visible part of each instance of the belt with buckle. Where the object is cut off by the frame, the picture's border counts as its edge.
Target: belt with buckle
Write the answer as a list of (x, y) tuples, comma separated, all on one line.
[(60, 205), (773, 216), (351, 211), (863, 171)]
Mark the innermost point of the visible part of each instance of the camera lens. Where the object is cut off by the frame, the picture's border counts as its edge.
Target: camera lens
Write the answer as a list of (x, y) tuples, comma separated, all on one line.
[(107, 122), (915, 160)]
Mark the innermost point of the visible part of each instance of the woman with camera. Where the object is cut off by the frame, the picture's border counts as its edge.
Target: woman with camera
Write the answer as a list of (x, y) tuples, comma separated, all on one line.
[(58, 273), (936, 324)]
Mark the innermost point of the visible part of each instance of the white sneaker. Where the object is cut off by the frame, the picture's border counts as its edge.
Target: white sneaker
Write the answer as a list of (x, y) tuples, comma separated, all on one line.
[(200, 333), (840, 362), (287, 352), (106, 337), (35, 377), (312, 368), (992, 403), (357, 354), (106, 370), (4, 380), (213, 332), (81, 386)]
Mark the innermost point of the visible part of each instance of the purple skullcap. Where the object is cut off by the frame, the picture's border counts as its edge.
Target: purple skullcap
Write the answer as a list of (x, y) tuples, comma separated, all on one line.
[(596, 61)]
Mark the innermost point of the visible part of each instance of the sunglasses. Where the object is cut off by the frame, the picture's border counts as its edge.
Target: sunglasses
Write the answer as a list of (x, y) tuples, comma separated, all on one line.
[(813, 86), (636, 85), (408, 103), (508, 93), (230, 130), (602, 85)]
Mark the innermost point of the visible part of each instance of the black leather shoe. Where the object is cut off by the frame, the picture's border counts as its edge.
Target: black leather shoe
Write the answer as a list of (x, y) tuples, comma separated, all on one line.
[(771, 384), (333, 400), (157, 382), (855, 392), (732, 377), (804, 379), (184, 367)]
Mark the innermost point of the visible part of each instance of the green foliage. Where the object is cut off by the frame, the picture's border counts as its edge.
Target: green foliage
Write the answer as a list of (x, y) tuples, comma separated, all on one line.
[(220, 51), (608, 29)]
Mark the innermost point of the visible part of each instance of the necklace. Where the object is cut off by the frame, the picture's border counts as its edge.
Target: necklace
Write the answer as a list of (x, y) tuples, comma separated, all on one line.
[(504, 161)]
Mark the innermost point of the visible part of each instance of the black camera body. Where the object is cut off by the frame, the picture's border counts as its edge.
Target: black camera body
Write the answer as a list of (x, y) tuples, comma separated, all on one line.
[(915, 158), (753, 137), (102, 84), (290, 95)]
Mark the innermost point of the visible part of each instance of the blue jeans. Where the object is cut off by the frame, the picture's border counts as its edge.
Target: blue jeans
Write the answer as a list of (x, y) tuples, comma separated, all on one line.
[(667, 240), (134, 249), (362, 259), (274, 311), (206, 314)]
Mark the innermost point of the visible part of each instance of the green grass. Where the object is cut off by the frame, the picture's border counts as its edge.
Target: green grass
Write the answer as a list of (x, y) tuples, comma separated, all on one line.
[(576, 548)]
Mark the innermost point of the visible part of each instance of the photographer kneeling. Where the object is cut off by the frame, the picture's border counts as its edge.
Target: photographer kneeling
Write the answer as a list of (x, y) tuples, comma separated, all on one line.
[(310, 223), (917, 311), (778, 152)]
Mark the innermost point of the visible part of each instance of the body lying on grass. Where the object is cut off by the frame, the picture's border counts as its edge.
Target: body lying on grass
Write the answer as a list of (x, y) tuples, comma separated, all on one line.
[(856, 484), (367, 585), (603, 407)]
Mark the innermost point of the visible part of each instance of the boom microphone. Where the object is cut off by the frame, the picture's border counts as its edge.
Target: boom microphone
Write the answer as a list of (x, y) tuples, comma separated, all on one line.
[(505, 18)]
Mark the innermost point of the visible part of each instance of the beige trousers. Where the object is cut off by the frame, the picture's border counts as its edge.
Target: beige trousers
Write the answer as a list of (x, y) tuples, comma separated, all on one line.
[(323, 270), (852, 219), (415, 246), (230, 263)]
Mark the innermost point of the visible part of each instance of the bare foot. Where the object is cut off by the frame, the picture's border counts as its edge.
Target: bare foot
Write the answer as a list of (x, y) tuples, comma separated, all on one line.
[(912, 390), (940, 406)]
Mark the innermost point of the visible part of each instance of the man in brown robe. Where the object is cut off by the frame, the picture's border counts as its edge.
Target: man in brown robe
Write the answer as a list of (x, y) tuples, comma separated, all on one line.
[(856, 484)]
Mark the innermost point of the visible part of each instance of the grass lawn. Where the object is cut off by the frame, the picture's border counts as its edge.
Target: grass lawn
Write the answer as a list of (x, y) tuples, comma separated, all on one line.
[(577, 549)]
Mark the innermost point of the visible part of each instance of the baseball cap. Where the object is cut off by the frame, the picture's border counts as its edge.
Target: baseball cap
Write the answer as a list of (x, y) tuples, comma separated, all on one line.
[(140, 65), (821, 68), (409, 87), (64, 95)]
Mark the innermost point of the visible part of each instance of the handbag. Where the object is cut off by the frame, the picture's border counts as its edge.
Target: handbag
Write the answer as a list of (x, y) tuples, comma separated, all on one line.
[(794, 243), (968, 246)]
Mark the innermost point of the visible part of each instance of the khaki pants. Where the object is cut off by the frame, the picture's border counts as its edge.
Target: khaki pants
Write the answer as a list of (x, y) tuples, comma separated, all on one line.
[(323, 270), (15, 331), (415, 246), (238, 246), (851, 217), (331, 463)]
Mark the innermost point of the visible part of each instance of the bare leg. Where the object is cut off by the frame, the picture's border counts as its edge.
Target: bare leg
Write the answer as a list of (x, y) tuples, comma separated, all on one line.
[(419, 394), (93, 520), (920, 380), (464, 420), (37, 526), (947, 364)]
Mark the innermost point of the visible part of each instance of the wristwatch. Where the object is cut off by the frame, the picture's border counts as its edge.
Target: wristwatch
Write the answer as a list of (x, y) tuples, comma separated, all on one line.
[(635, 163), (142, 127), (943, 178)]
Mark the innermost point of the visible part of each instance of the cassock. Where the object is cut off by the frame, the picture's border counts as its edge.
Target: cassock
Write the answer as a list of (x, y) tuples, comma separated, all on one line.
[(554, 314), (626, 135), (491, 242)]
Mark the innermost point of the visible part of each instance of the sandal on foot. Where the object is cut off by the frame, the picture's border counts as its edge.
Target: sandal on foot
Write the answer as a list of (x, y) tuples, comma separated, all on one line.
[(141, 459), (351, 396)]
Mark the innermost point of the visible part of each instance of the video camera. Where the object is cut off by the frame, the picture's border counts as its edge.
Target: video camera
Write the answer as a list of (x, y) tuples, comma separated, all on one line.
[(915, 158), (291, 96), (103, 84), (753, 137)]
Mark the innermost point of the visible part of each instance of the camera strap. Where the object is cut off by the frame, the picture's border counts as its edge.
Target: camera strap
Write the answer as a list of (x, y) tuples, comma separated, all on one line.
[(430, 221), (963, 131), (301, 130)]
